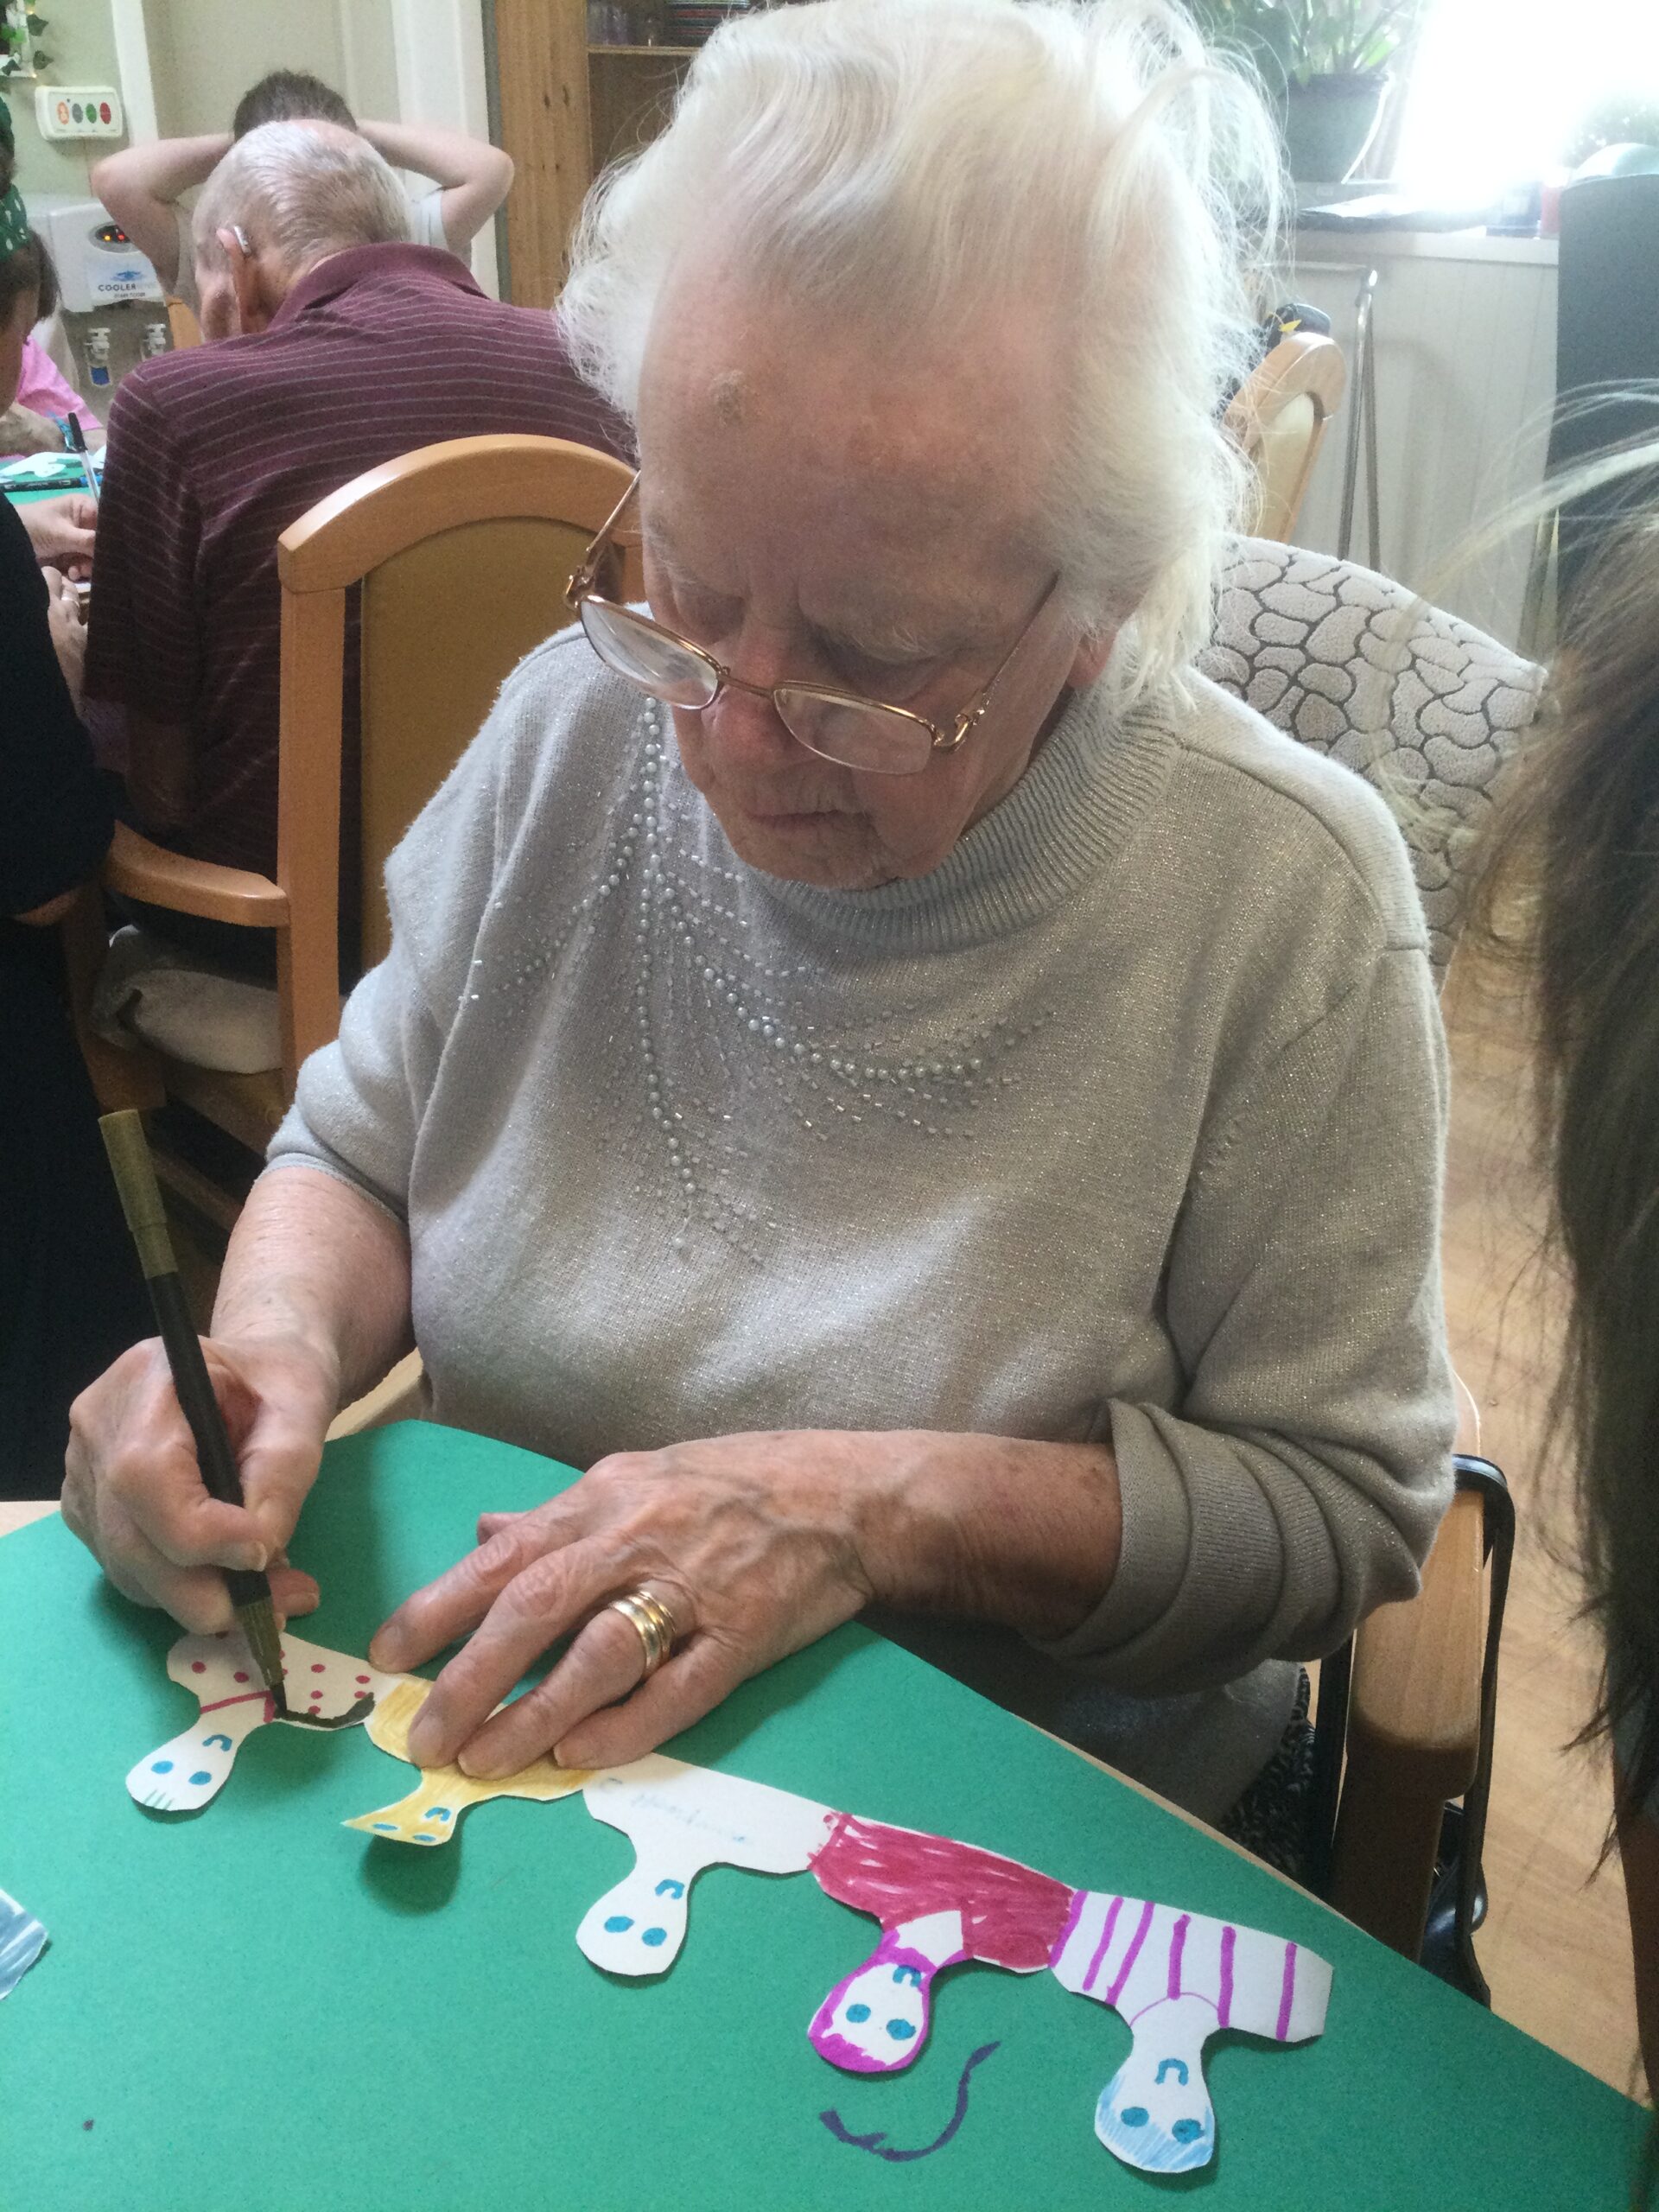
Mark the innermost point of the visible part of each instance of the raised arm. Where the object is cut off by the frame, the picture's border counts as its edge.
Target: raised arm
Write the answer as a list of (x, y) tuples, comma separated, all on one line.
[(141, 186), (474, 175)]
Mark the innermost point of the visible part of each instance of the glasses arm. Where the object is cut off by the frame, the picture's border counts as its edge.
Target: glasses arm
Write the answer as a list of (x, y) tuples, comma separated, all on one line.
[(582, 581), (976, 708)]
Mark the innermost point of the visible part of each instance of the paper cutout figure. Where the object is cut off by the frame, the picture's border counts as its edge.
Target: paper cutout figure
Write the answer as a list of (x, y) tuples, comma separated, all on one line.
[(322, 1687), (937, 1902), (22, 1941), (432, 1810), (680, 1819), (1178, 1978)]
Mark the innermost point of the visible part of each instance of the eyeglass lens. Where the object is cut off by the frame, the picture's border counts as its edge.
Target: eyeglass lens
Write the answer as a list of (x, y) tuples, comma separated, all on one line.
[(872, 738)]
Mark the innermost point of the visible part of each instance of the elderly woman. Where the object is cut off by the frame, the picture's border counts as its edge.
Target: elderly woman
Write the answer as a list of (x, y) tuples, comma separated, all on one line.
[(933, 1108)]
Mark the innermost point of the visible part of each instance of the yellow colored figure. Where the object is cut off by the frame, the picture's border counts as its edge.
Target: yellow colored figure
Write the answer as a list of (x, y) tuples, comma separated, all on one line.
[(430, 1812)]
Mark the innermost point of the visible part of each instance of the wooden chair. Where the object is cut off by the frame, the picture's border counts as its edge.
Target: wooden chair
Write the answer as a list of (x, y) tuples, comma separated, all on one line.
[(1428, 709), (181, 324), (461, 551), (1277, 416)]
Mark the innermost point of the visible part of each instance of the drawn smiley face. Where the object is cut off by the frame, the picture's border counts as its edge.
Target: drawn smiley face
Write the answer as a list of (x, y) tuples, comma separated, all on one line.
[(1158, 2116), (876, 2020)]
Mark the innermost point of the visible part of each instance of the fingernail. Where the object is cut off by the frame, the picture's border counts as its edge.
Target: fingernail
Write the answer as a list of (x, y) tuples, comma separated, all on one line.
[(422, 1738), (251, 1557), (567, 1755), (484, 1766)]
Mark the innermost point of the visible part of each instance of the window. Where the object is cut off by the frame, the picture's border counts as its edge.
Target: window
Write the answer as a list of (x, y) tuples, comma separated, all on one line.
[(1503, 88)]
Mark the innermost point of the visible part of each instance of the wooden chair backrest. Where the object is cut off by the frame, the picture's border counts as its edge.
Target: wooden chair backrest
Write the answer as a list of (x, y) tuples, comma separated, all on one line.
[(463, 551), (181, 324), (1277, 416)]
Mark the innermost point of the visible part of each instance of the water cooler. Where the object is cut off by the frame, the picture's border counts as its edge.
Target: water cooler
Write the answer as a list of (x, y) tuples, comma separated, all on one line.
[(113, 310)]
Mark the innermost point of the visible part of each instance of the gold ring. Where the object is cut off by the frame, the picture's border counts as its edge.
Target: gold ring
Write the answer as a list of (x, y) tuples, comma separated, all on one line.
[(652, 1622)]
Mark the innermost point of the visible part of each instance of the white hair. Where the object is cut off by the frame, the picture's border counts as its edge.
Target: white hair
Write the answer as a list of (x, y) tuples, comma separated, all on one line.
[(913, 165), (301, 190)]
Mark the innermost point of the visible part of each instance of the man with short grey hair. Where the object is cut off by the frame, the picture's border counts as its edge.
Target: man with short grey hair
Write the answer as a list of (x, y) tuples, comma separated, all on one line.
[(344, 347), (308, 190)]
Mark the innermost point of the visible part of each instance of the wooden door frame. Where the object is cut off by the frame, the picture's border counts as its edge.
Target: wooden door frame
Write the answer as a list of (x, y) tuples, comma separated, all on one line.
[(538, 54)]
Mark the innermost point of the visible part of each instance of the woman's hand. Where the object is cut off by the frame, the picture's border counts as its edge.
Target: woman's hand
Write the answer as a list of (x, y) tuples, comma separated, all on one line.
[(62, 531), (753, 1543), (133, 1491), (24, 430), (68, 629)]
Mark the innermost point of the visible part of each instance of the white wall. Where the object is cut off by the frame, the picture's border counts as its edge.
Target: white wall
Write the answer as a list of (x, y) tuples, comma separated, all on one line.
[(204, 54), (1465, 379), (80, 40)]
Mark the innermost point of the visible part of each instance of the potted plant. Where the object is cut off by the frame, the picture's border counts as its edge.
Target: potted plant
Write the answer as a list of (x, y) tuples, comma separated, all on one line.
[(1325, 65)]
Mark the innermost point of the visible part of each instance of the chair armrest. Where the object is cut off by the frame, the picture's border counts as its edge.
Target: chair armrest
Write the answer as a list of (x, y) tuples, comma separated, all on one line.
[(136, 869), (400, 1395), (1413, 1734), (1416, 1686)]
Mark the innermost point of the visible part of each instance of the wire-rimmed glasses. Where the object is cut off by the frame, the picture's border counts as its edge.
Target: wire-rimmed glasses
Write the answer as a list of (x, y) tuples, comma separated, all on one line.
[(839, 725)]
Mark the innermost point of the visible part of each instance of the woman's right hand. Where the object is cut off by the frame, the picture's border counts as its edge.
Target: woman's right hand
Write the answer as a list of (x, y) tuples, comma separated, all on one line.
[(133, 1492)]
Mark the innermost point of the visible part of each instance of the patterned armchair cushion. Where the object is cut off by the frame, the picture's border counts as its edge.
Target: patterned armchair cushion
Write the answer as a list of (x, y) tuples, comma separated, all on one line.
[(1424, 707)]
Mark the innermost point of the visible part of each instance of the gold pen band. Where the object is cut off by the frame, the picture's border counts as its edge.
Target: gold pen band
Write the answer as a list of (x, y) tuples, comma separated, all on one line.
[(140, 1193)]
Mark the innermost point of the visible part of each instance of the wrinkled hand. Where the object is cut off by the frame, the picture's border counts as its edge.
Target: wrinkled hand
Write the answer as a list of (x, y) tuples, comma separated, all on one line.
[(68, 629), (24, 430), (133, 1492), (752, 1542), (62, 531)]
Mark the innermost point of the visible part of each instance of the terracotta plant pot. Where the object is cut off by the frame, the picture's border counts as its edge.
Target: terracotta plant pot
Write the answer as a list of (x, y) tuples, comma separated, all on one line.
[(1329, 122)]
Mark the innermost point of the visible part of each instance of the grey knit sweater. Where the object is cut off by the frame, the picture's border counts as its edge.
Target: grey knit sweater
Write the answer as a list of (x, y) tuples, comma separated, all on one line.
[(1124, 1123)]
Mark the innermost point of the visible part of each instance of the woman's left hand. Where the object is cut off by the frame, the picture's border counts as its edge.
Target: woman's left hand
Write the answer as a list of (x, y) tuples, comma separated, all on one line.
[(755, 1544), (63, 533)]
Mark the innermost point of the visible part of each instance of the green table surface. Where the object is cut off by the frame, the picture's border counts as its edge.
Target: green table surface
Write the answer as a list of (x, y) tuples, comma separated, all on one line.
[(257, 2008)]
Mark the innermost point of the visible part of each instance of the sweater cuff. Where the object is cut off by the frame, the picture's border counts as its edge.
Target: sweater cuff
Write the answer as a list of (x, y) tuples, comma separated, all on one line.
[(328, 1163), (1157, 1536)]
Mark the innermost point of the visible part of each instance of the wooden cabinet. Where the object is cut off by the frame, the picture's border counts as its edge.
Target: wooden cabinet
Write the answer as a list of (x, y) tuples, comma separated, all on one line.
[(566, 108)]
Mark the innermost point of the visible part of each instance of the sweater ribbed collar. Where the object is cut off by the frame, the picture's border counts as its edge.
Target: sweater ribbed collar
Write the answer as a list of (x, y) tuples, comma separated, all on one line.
[(1069, 816)]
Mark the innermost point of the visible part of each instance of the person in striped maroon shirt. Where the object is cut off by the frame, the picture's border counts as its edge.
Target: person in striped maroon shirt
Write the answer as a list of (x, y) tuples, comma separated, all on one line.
[(345, 345)]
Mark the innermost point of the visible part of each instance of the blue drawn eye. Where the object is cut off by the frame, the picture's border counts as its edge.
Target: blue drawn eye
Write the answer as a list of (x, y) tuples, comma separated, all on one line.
[(162, 1766), (1171, 2066), (617, 1922), (199, 1777), (654, 1937), (669, 1889), (1133, 2116), (901, 2031), (1185, 2131), (858, 2011)]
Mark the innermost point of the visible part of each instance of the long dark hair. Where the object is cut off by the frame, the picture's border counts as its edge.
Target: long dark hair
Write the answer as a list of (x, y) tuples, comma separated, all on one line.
[(1572, 886)]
